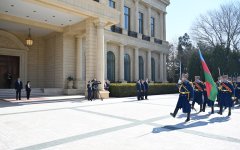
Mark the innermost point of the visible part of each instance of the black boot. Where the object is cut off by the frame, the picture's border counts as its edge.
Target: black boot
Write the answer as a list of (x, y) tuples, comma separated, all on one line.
[(174, 113), (193, 103), (188, 117), (229, 111), (212, 110), (204, 106), (220, 111), (201, 108)]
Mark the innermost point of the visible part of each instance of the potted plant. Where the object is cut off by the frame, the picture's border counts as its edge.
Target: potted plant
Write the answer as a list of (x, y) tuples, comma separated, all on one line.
[(70, 82)]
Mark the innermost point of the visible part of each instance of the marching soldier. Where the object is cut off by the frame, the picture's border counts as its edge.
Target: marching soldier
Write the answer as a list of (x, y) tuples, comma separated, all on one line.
[(185, 95), (237, 89), (218, 85), (198, 87), (226, 91)]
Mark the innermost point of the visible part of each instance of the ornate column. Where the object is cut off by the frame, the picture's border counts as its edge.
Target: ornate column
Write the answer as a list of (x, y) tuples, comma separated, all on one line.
[(149, 20), (164, 68), (136, 15), (161, 67), (100, 53), (164, 26), (79, 61), (161, 24), (136, 64), (121, 65), (122, 14), (149, 66)]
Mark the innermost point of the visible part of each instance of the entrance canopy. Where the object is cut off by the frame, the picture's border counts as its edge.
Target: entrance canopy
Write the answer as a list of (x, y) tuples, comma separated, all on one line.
[(54, 15)]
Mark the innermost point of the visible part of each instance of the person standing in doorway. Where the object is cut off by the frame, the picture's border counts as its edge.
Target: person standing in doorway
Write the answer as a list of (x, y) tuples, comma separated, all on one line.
[(28, 89), (9, 80), (18, 88)]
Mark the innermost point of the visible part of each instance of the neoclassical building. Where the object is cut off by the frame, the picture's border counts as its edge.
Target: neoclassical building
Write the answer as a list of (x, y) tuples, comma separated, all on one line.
[(47, 41)]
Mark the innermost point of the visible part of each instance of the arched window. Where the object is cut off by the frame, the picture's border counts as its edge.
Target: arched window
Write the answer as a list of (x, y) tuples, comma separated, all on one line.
[(110, 66), (153, 69), (127, 67), (141, 67)]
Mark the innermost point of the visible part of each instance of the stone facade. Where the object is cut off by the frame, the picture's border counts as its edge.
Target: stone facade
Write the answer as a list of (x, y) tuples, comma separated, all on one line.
[(80, 50)]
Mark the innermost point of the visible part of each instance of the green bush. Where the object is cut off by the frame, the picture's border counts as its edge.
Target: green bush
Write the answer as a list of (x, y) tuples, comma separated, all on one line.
[(129, 89)]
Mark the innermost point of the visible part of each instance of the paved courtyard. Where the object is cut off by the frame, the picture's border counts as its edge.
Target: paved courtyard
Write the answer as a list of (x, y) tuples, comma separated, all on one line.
[(114, 124)]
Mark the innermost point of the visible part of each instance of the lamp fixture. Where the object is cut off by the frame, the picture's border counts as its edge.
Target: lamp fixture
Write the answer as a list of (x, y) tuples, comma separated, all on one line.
[(29, 40)]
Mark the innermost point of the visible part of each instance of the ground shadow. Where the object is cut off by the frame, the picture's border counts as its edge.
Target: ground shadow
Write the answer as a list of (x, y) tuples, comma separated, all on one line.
[(185, 125)]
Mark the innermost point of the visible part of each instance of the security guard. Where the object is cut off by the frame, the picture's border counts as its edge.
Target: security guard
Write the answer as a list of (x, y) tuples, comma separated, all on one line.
[(226, 89), (185, 95), (198, 87)]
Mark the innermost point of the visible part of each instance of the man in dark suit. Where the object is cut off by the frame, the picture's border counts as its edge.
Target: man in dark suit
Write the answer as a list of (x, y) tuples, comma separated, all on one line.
[(142, 89), (18, 88), (146, 88), (138, 87)]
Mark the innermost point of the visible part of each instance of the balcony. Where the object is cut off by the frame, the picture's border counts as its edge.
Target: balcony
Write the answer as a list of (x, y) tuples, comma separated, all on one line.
[(146, 38), (116, 29), (132, 34), (158, 41)]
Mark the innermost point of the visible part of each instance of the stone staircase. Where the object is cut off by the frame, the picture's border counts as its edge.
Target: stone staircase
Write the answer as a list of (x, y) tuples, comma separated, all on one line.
[(11, 93)]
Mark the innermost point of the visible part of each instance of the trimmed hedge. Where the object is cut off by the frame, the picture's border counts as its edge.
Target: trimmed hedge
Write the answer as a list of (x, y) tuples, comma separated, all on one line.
[(129, 89)]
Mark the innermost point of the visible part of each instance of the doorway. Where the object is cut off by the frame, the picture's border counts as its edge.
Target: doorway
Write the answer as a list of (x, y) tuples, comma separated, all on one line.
[(8, 64)]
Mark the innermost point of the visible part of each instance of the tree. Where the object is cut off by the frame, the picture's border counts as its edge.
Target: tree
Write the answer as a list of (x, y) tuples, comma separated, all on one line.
[(184, 49), (219, 27)]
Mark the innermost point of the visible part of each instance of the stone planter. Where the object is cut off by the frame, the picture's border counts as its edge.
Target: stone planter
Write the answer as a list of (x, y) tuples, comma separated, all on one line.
[(70, 84)]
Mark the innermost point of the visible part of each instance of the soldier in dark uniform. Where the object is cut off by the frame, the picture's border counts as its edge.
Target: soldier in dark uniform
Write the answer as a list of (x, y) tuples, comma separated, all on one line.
[(89, 89), (146, 88), (207, 101), (198, 87), (185, 95), (142, 89), (237, 89), (218, 85), (139, 88), (226, 90)]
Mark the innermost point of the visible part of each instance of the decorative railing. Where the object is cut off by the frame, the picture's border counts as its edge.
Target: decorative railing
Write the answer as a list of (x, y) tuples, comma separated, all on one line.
[(116, 29), (145, 37), (158, 41), (132, 34)]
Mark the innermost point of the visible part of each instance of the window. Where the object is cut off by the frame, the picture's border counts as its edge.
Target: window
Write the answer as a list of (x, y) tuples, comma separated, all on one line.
[(153, 69), (141, 67), (152, 27), (112, 3), (127, 18), (140, 21), (110, 66), (127, 67)]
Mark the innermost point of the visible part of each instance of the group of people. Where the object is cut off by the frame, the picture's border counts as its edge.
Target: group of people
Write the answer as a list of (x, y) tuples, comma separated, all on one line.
[(195, 92), (19, 87), (92, 88), (142, 89)]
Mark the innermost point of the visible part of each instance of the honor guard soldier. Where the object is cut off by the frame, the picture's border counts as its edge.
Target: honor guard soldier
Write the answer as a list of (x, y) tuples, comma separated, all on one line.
[(220, 79), (185, 95), (237, 89), (226, 91), (198, 87)]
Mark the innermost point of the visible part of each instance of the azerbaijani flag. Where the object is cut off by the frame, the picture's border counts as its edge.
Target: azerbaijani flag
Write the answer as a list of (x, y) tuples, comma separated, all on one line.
[(210, 84)]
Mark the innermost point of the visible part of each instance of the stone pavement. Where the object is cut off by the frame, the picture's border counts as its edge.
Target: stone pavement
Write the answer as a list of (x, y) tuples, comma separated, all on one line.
[(114, 124)]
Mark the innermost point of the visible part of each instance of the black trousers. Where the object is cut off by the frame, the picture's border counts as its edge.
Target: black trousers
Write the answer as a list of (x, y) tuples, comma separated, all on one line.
[(146, 94), (89, 95), (94, 94), (28, 94), (18, 94)]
